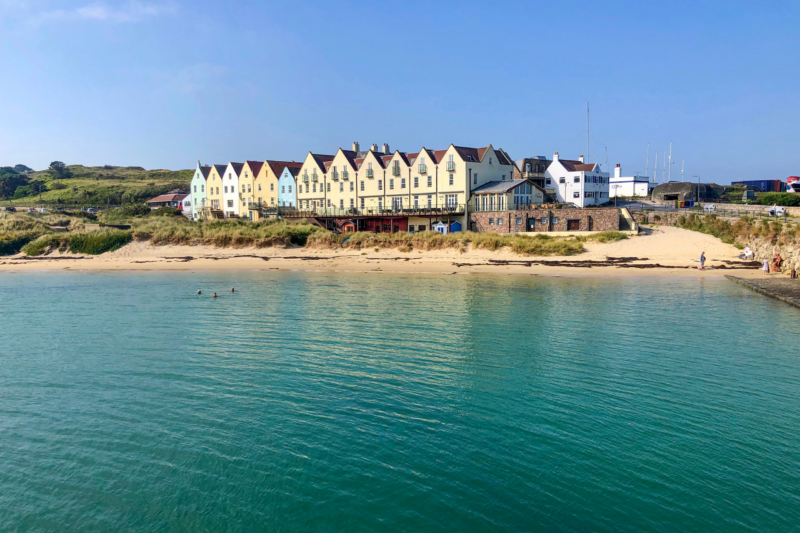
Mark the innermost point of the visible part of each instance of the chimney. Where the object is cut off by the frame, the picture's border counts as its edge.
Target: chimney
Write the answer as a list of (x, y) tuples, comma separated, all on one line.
[(580, 158), (618, 171), (555, 156), (374, 148), (386, 149), (355, 146)]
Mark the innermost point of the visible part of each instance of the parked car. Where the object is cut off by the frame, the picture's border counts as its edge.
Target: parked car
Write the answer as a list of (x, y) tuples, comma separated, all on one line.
[(710, 207), (92, 211), (31, 210), (43, 210), (11, 209), (777, 211)]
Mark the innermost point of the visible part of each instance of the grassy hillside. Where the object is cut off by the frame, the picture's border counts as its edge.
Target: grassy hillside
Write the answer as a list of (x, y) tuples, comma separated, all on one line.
[(97, 186)]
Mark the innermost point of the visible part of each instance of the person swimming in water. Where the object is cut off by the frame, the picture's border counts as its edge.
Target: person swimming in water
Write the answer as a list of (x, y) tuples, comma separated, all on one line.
[(232, 290), (199, 292), (215, 295)]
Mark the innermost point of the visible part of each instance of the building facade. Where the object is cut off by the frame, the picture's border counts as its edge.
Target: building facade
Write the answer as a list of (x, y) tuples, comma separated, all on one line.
[(287, 187), (197, 191), (231, 195), (578, 183), (629, 186), (214, 188), (547, 220), (247, 180), (507, 195)]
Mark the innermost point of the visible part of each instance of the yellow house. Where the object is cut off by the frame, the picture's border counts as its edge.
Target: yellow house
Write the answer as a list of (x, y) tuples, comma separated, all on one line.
[(247, 180), (214, 195), (311, 182), (265, 185)]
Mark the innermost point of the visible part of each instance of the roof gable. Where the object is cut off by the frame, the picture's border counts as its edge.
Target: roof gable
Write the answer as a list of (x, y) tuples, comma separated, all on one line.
[(255, 167)]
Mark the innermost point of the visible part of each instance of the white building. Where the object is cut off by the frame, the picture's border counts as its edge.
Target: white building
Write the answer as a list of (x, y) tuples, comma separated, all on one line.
[(628, 186), (197, 192), (231, 195), (576, 182)]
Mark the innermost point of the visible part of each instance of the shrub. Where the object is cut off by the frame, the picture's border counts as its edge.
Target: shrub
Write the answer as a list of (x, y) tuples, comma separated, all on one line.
[(165, 212), (11, 244), (609, 236), (99, 242), (779, 198)]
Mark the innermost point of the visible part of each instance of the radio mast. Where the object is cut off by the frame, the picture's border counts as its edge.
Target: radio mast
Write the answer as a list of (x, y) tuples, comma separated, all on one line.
[(587, 132), (683, 164)]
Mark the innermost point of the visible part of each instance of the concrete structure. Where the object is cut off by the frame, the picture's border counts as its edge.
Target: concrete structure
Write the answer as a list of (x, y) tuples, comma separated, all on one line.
[(197, 191), (506, 195), (683, 191), (550, 220), (576, 182), (628, 186), (231, 196)]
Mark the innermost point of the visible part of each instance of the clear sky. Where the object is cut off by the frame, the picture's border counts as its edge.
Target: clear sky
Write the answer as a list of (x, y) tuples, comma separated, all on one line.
[(163, 84)]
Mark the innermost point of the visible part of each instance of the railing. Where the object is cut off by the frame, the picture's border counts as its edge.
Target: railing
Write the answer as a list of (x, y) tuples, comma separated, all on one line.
[(314, 176), (451, 166), (423, 168), (375, 211), (529, 174), (305, 178), (395, 171), (697, 209), (475, 208), (369, 173), (334, 175), (345, 174)]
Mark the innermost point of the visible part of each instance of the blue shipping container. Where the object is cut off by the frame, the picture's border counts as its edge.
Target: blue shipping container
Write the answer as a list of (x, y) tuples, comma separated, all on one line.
[(763, 185)]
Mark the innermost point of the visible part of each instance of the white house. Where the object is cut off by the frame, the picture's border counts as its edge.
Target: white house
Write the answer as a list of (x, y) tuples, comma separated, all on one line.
[(628, 186), (197, 192), (231, 195), (583, 184)]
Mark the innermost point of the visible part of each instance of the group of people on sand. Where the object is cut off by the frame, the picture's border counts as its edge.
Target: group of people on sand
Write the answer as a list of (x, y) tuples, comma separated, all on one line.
[(775, 266)]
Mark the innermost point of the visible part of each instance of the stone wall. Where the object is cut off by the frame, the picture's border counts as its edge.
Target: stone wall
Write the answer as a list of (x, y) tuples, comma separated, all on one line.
[(546, 220)]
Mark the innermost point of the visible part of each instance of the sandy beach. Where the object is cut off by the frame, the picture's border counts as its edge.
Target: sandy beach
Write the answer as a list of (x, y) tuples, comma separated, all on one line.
[(660, 252)]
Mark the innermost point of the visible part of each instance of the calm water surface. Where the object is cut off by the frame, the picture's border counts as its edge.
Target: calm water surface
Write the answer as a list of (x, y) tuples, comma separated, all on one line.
[(332, 402)]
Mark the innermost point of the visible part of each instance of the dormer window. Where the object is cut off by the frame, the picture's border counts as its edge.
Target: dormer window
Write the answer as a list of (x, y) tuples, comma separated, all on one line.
[(490, 160)]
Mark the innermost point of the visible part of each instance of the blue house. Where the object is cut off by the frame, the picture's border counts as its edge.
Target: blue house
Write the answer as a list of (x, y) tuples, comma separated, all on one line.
[(287, 187)]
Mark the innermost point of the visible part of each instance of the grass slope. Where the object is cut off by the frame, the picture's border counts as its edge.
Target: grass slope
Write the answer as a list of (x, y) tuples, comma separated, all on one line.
[(97, 186)]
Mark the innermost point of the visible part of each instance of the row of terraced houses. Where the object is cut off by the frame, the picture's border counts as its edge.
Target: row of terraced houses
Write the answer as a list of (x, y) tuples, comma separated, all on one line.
[(377, 190)]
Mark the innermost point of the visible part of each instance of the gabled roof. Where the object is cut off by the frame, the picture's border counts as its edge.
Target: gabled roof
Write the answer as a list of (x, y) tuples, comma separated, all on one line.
[(351, 157), (220, 169), (503, 186), (278, 166), (381, 158), (255, 167), (293, 170), (167, 198), (502, 157), (320, 160), (467, 154), (205, 171), (577, 166), (237, 168)]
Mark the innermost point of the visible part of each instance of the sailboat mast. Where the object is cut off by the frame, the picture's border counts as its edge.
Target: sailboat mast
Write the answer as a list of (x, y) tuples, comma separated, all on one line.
[(647, 161), (587, 132), (670, 161), (655, 169)]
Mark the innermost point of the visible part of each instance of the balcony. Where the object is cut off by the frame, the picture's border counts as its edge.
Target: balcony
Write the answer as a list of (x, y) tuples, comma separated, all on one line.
[(526, 175), (305, 178), (334, 175), (451, 166), (331, 212), (345, 174), (370, 173), (423, 168), (395, 171), (314, 176)]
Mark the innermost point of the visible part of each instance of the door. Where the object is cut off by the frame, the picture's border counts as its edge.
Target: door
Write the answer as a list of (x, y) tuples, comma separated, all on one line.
[(573, 225), (397, 204), (531, 224)]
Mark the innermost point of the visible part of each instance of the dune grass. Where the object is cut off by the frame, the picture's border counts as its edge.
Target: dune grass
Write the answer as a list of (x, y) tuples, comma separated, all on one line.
[(535, 245), (223, 233), (91, 243)]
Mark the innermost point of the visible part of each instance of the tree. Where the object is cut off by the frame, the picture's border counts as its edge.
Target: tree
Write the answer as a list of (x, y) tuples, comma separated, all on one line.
[(60, 169), (22, 169), (10, 179)]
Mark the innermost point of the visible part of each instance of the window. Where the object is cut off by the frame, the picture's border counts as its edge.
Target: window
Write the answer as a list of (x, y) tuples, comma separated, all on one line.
[(272, 200), (352, 203), (290, 189), (527, 167), (576, 194), (430, 201), (544, 220), (244, 202), (352, 186), (576, 179), (475, 179), (403, 183), (362, 185), (562, 180), (259, 187), (491, 222), (283, 189), (503, 178), (451, 176), (217, 190), (315, 187), (369, 166), (271, 187), (230, 203), (499, 221), (555, 220), (380, 203), (341, 203), (329, 187), (490, 160), (451, 200), (416, 182), (195, 188), (341, 186), (329, 202), (248, 188), (380, 185), (226, 189), (518, 220), (430, 181), (391, 184), (202, 188), (362, 202), (548, 181), (416, 202)]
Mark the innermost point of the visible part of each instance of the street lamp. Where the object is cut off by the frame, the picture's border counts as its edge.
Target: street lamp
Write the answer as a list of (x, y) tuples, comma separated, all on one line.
[(615, 187)]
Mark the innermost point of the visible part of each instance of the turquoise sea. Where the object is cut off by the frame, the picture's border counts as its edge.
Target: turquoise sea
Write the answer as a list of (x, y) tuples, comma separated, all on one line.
[(335, 402)]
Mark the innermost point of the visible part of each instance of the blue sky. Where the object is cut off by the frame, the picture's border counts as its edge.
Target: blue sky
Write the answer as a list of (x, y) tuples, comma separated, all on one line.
[(163, 84)]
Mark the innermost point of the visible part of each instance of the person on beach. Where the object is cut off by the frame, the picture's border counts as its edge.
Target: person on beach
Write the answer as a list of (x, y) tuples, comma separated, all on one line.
[(765, 268), (702, 260), (748, 253), (776, 263)]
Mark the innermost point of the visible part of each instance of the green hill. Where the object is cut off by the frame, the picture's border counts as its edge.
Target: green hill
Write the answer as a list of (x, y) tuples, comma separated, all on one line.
[(94, 186)]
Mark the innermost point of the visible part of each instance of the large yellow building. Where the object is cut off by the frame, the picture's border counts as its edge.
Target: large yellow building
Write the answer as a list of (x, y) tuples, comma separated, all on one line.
[(213, 208)]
